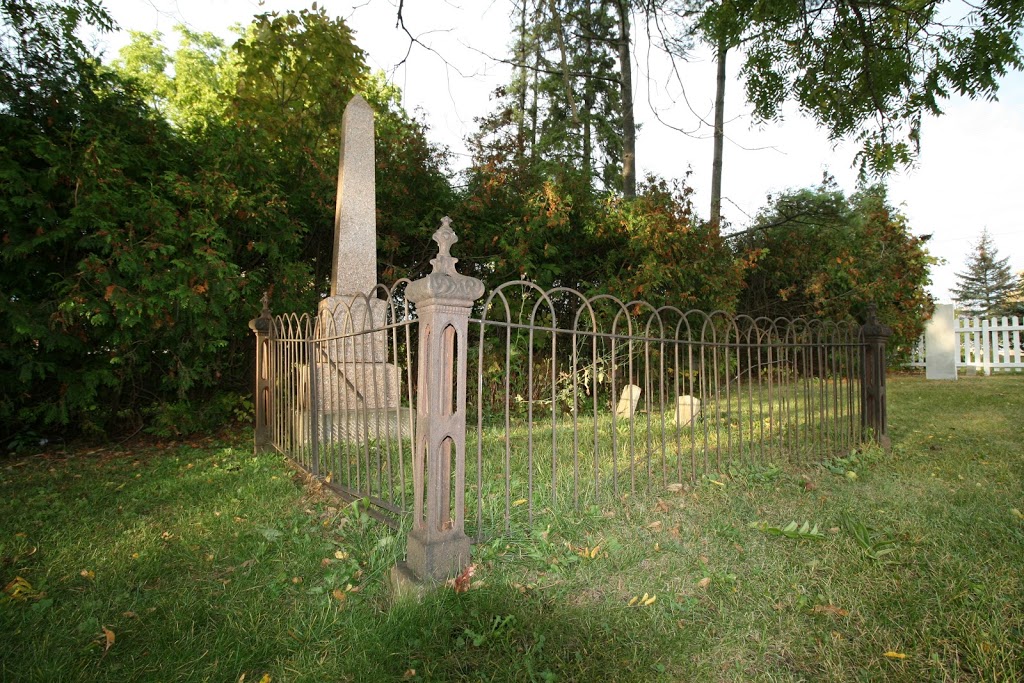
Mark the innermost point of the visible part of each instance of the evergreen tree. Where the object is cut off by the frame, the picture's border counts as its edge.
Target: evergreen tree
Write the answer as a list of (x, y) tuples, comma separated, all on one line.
[(988, 285)]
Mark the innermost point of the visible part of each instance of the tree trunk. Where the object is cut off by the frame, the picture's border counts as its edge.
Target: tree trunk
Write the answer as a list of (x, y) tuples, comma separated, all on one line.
[(588, 96), (716, 164), (521, 95), (626, 93)]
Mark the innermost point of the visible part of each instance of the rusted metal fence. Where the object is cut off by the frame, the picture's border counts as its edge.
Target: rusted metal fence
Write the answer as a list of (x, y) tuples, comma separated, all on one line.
[(580, 399), (528, 402), (334, 394)]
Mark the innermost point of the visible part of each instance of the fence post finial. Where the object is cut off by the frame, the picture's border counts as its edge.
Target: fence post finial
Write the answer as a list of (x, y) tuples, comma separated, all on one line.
[(437, 545), (873, 395)]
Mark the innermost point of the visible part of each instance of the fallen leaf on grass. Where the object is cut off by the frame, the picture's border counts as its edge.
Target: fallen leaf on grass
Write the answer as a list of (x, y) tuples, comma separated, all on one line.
[(462, 582), (1017, 513), (662, 506), (831, 609), (705, 582), (87, 574), (339, 595), (646, 601), (108, 636), (891, 654), (586, 552), (409, 673), (654, 526), (675, 488), (20, 589)]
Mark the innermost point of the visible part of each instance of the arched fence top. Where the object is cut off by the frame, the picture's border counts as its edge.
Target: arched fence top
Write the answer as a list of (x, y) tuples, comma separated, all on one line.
[(565, 310)]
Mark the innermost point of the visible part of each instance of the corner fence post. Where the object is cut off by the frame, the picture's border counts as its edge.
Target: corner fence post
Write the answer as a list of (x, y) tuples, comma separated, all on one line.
[(262, 395), (437, 545), (872, 386)]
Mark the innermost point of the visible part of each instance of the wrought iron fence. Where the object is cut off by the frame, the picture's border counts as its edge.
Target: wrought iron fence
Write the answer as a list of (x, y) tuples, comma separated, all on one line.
[(578, 399), (546, 399), (337, 395)]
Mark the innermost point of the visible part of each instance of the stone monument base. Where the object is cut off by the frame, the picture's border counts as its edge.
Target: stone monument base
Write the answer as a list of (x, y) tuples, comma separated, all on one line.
[(355, 386), (372, 425), (355, 426)]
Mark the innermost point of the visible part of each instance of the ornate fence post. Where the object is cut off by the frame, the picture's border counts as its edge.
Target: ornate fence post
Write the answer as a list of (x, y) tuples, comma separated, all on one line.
[(872, 384), (438, 546), (262, 395)]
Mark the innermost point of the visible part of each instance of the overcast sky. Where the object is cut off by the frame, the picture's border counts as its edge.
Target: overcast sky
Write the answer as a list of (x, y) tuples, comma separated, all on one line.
[(967, 177)]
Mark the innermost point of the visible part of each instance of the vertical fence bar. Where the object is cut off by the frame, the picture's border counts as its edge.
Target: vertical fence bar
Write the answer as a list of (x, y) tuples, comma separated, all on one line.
[(437, 544), (314, 412), (874, 336)]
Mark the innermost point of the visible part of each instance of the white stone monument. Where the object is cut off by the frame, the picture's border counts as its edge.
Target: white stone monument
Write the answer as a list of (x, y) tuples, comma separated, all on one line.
[(940, 344)]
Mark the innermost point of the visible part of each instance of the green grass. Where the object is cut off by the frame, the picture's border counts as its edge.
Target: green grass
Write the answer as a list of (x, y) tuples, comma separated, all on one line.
[(208, 563)]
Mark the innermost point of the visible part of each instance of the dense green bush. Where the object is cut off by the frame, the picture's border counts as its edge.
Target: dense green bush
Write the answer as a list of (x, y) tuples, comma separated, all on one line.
[(821, 254), (146, 209)]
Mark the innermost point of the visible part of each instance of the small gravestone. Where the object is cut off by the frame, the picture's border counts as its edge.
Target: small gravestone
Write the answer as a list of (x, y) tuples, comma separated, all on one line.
[(940, 344), (687, 409), (628, 401)]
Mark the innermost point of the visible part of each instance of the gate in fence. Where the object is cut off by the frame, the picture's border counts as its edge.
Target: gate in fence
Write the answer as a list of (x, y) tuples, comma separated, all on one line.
[(474, 416)]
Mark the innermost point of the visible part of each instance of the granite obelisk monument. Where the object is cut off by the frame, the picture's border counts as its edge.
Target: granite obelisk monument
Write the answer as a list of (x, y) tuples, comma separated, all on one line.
[(355, 373)]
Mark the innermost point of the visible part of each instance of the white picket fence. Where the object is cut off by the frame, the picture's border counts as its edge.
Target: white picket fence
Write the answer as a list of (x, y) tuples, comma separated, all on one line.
[(985, 344)]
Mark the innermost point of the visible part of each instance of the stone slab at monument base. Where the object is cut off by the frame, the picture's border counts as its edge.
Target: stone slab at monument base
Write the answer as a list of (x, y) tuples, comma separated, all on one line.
[(351, 386), (359, 426), (355, 426), (436, 557)]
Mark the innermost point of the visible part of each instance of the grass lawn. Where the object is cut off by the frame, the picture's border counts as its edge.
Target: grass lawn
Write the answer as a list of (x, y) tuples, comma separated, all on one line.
[(200, 562)]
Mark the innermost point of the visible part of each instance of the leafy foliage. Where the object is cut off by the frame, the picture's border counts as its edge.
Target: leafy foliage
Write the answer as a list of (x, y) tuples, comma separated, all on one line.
[(821, 254), (793, 530), (136, 250), (872, 71)]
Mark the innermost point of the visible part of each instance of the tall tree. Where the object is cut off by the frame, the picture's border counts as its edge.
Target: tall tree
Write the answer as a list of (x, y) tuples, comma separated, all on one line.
[(569, 103), (871, 71), (987, 287), (625, 46)]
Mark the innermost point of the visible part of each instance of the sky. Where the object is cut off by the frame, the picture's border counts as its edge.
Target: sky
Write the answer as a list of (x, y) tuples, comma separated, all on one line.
[(966, 178)]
